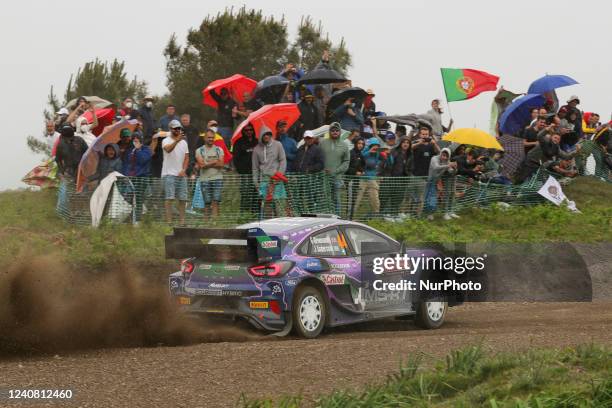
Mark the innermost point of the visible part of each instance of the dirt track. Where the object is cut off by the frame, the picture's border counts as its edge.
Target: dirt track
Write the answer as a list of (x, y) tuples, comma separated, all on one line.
[(214, 374)]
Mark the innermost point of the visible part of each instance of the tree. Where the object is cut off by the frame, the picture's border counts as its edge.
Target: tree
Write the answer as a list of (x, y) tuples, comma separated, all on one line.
[(106, 80), (243, 42)]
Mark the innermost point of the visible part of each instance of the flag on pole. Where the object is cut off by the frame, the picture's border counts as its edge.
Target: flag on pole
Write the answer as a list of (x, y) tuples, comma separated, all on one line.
[(461, 84)]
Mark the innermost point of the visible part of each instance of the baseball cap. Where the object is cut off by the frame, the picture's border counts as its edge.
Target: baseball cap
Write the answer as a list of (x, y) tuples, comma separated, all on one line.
[(389, 135), (335, 125), (573, 98), (370, 92), (308, 133), (148, 98), (125, 133), (175, 124), (63, 111)]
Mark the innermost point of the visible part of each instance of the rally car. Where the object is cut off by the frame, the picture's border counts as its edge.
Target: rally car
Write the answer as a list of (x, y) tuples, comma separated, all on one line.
[(302, 273)]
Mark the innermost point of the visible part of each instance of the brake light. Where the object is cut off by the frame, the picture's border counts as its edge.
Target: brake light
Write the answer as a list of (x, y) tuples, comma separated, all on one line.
[(271, 270), (187, 266)]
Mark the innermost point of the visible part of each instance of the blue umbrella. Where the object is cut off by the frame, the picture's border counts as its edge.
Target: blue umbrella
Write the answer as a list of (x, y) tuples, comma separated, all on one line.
[(549, 83), (517, 114)]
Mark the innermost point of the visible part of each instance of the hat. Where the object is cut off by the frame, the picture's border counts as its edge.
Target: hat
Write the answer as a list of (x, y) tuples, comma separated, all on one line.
[(370, 92), (67, 130), (63, 111), (373, 141), (573, 98), (125, 133), (389, 135), (175, 124), (308, 95), (308, 133), (148, 98), (335, 125)]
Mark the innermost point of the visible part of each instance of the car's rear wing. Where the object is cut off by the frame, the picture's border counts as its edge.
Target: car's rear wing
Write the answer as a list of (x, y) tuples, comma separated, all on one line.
[(223, 245)]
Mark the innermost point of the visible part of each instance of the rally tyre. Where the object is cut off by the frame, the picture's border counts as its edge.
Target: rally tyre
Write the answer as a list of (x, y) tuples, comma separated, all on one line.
[(431, 314), (309, 312)]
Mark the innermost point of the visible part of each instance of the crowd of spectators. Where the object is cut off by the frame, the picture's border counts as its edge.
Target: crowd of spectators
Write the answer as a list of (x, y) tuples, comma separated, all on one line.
[(364, 156)]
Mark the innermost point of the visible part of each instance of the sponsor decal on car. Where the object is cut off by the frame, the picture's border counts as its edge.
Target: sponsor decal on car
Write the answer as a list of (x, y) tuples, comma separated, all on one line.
[(174, 284), (218, 285), (258, 305), (339, 266), (205, 266), (333, 278), (232, 267), (276, 288), (183, 300), (269, 244), (291, 282)]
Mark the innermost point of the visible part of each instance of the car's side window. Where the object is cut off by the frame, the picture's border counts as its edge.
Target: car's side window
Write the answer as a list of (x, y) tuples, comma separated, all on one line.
[(365, 242), (327, 243)]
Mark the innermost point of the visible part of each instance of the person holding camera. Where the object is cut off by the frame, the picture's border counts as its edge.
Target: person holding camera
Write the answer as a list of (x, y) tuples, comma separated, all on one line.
[(349, 114), (174, 170), (441, 169), (423, 150)]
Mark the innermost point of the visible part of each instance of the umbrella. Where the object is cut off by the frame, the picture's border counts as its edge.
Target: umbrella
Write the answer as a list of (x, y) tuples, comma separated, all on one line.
[(412, 119), (271, 89), (322, 76), (105, 118), (237, 85), (473, 137), (550, 82), (89, 161), (342, 95), (96, 101), (517, 114), (269, 115)]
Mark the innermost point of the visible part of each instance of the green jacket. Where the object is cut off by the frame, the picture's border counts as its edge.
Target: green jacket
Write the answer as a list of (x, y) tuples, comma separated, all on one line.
[(337, 155)]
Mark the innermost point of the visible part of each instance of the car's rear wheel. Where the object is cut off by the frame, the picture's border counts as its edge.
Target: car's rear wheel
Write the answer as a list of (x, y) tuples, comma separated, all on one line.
[(431, 314), (309, 312)]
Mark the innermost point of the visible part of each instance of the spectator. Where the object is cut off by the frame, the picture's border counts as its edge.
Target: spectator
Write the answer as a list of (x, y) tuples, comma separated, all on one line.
[(289, 143), (572, 107), (309, 115), (369, 107), (174, 170), (563, 168), (493, 170), (390, 138), (226, 111), (127, 106), (51, 135), (398, 164), (194, 141), (337, 158), (530, 134), (349, 114), (82, 106), (381, 126), (60, 118), (436, 114), (164, 121), (469, 166), (309, 160), (68, 155), (210, 162), (355, 169), (350, 139), (243, 152), (148, 119), (138, 166), (268, 161), (441, 168), (320, 102), (423, 149), (109, 162), (125, 143), (372, 158), (547, 150), (400, 131), (590, 124), (83, 128)]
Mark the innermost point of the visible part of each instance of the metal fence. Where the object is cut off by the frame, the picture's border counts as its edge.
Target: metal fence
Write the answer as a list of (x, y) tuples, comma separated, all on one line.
[(137, 199)]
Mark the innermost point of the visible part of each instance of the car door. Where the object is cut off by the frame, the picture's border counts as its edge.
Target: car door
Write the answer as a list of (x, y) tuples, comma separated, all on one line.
[(367, 245)]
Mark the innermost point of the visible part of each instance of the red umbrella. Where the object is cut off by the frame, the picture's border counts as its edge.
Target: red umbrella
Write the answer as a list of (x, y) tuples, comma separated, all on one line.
[(237, 85), (105, 118), (269, 115), (89, 161)]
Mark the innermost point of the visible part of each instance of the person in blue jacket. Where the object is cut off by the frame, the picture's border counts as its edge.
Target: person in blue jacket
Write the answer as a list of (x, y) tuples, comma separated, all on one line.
[(289, 143), (372, 158), (137, 165), (349, 114)]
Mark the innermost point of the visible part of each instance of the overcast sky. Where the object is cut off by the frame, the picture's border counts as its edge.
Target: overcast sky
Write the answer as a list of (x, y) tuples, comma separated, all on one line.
[(397, 48)]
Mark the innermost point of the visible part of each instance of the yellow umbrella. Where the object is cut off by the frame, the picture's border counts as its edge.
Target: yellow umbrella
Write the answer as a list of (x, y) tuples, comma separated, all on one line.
[(474, 137)]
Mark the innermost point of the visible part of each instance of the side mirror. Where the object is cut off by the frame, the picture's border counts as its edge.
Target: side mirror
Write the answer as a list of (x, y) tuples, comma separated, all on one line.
[(314, 265)]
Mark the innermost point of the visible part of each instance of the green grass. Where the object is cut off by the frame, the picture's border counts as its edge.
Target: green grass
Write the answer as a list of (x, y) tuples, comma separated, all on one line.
[(29, 225), (472, 377), (543, 222)]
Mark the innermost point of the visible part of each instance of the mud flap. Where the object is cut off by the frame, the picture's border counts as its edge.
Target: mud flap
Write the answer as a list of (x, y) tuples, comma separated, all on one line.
[(287, 329)]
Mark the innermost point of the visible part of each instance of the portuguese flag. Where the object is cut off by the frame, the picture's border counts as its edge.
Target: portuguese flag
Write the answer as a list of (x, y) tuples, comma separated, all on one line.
[(460, 84)]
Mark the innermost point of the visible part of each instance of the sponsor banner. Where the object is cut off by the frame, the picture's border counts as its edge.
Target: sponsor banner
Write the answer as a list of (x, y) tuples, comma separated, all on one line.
[(258, 305)]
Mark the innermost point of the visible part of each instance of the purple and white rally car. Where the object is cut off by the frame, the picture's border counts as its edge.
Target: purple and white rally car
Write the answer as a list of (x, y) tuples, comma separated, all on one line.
[(301, 273)]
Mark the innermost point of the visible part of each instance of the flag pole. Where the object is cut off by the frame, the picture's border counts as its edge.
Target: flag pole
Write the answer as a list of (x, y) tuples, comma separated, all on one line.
[(450, 114)]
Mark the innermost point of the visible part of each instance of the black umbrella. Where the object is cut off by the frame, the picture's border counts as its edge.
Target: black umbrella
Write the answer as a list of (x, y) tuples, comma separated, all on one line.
[(322, 76), (342, 95), (412, 119), (271, 89)]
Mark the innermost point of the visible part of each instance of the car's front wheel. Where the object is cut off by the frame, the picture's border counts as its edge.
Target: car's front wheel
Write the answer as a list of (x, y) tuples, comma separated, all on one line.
[(431, 314), (309, 312)]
